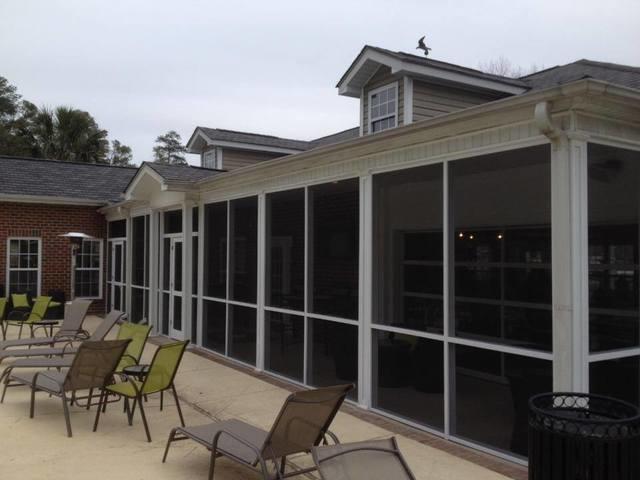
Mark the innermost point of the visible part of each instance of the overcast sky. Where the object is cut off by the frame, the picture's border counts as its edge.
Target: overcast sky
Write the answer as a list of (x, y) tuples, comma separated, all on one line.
[(142, 68)]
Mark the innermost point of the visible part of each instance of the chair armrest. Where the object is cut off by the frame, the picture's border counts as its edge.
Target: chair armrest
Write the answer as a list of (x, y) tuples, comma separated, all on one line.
[(237, 439), (18, 315), (332, 436)]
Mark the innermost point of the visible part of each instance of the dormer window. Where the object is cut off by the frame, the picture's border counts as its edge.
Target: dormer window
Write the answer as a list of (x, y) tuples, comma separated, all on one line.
[(210, 159), (383, 108)]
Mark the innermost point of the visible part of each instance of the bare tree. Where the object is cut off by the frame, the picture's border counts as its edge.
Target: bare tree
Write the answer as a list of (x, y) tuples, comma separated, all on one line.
[(504, 67)]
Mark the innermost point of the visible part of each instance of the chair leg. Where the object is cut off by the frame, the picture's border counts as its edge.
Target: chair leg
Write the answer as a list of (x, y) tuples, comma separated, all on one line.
[(20, 332), (4, 378), (99, 409), (32, 406), (67, 419), (144, 418), (89, 399), (172, 434), (161, 399), (175, 396), (212, 463)]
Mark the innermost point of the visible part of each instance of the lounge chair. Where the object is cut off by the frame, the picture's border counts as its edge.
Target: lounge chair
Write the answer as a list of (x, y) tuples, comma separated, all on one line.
[(303, 422), (162, 371), (20, 317), (71, 328), (369, 460), (92, 367), (42, 357)]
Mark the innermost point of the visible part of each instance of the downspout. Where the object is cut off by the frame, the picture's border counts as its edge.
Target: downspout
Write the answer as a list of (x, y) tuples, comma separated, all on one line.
[(543, 121)]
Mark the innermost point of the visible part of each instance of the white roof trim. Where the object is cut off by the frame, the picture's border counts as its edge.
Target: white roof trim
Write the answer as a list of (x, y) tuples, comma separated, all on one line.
[(145, 169), (349, 88), (8, 197), (240, 145)]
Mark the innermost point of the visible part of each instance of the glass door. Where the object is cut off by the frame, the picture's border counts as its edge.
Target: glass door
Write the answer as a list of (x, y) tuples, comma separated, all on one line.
[(172, 295), (116, 275)]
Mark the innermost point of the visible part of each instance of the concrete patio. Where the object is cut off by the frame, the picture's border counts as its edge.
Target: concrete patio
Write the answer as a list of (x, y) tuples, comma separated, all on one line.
[(33, 449)]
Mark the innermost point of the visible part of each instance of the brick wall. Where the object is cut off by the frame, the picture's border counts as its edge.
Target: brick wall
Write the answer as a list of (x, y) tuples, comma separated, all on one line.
[(47, 222)]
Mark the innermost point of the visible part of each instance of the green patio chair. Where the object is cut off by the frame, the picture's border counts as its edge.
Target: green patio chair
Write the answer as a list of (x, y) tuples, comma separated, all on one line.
[(160, 376), (20, 318), (138, 334), (20, 300), (3, 310)]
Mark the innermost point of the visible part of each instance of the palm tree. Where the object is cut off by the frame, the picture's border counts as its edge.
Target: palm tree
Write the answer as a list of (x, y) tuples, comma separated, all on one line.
[(69, 134)]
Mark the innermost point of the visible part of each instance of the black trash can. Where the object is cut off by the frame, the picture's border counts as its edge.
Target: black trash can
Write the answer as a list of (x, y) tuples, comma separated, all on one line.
[(578, 436)]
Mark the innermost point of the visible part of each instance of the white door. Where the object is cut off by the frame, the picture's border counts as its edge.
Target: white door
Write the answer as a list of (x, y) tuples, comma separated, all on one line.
[(116, 277), (172, 288)]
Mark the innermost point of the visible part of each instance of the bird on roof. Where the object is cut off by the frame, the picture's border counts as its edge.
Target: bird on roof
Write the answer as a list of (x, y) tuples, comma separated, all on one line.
[(422, 46)]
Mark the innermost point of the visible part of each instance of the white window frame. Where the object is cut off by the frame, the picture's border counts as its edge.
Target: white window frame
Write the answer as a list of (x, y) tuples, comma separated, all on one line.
[(8, 260), (370, 119), (100, 270), (217, 158)]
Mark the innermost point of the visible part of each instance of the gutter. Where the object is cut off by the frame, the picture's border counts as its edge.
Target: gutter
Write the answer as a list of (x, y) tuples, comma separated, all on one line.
[(580, 87), (7, 197)]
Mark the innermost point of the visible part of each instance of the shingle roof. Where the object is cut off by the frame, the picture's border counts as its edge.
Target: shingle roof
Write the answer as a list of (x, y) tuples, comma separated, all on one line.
[(623, 75), (254, 139), (55, 178), (182, 173), (335, 138), (430, 62)]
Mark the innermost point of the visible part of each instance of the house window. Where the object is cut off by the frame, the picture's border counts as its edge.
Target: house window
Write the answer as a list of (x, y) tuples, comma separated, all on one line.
[(211, 159), (383, 108), (23, 265), (89, 270)]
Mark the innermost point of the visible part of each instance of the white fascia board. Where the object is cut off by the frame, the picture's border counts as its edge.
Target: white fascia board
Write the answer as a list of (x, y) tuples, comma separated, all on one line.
[(251, 146), (7, 197), (197, 134), (407, 68), (144, 170)]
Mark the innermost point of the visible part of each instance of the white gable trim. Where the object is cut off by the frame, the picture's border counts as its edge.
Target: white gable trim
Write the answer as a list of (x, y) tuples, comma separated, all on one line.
[(350, 88)]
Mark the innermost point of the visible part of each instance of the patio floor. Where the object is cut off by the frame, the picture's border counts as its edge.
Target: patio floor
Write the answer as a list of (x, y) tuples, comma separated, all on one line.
[(33, 449)]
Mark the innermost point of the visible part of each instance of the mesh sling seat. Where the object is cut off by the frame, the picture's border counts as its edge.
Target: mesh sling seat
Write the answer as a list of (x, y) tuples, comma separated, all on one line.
[(71, 328), (93, 367), (303, 422), (369, 460), (138, 334), (160, 377), (44, 357), (20, 318)]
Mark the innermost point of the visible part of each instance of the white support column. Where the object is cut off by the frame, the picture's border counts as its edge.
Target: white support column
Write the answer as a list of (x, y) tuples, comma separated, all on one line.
[(201, 267), (569, 261), (365, 292), (187, 258), (260, 330), (128, 264), (408, 101), (154, 310)]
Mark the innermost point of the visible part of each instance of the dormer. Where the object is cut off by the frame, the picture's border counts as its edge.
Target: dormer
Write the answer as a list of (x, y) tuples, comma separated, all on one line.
[(228, 149), (397, 88)]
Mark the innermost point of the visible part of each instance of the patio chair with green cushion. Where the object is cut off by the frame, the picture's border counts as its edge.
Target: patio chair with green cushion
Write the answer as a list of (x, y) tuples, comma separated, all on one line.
[(138, 334), (93, 367), (303, 423), (20, 300), (369, 460), (70, 329), (162, 372), (3, 311), (20, 318)]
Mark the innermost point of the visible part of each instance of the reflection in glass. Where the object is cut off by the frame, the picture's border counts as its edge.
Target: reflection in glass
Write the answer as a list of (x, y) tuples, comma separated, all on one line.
[(490, 391), (617, 378), (408, 377), (242, 333), (285, 249), (501, 255), (136, 312), (614, 289), (284, 344), (333, 359), (165, 313), (215, 250), (333, 258), (244, 249), (407, 248), (214, 325), (138, 249), (177, 313), (173, 221)]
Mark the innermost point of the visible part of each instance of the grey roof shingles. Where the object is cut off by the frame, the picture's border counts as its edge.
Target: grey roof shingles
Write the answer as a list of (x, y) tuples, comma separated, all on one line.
[(623, 75), (54, 178), (182, 173), (254, 139)]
